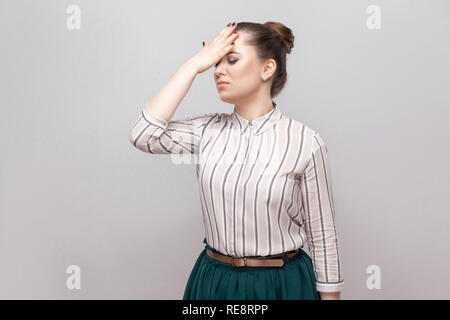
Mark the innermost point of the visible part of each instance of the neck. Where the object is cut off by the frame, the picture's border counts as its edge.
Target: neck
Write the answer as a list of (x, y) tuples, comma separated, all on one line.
[(254, 110)]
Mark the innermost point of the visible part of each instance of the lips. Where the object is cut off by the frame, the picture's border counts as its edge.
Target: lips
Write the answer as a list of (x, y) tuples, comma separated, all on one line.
[(221, 82)]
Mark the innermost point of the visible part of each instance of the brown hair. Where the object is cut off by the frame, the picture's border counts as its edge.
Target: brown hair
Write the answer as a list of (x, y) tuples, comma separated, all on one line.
[(272, 40)]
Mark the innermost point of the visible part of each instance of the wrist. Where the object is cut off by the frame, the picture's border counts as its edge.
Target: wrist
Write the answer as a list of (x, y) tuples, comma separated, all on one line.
[(190, 67), (330, 295)]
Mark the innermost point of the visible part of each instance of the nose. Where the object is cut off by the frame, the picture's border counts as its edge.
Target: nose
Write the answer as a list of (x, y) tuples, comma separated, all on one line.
[(219, 69)]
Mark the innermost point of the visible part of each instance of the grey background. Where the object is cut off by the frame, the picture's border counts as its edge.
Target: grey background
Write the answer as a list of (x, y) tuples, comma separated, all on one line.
[(73, 190)]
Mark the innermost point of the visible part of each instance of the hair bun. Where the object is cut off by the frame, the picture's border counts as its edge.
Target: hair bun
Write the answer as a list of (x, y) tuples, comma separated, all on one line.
[(284, 32)]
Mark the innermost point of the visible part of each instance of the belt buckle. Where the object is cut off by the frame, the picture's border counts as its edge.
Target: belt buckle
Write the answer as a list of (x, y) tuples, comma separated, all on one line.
[(232, 261)]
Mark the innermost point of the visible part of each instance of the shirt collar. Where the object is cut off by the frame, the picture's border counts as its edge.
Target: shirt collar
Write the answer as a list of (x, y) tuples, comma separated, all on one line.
[(260, 124)]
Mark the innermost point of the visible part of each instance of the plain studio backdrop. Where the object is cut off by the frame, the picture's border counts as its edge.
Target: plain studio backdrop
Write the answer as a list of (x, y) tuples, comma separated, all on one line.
[(372, 78)]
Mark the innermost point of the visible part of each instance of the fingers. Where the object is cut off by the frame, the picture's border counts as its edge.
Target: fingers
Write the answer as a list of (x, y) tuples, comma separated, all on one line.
[(228, 48), (229, 30), (231, 38), (225, 33)]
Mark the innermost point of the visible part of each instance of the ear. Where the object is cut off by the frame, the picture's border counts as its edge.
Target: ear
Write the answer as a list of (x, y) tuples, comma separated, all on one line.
[(269, 69)]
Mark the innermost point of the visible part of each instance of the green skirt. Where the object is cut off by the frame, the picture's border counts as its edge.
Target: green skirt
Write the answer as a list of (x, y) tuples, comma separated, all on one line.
[(211, 280)]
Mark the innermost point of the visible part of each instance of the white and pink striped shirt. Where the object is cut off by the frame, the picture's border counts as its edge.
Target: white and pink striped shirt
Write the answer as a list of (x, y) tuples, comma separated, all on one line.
[(264, 184)]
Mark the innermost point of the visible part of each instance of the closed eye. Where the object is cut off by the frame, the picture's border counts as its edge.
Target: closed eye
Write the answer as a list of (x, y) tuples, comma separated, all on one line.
[(230, 62)]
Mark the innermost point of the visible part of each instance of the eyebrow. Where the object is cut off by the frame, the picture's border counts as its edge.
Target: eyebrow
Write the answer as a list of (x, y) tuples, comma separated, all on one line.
[(232, 52)]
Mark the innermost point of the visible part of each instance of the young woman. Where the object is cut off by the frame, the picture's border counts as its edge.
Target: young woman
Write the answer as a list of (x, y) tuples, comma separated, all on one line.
[(264, 179)]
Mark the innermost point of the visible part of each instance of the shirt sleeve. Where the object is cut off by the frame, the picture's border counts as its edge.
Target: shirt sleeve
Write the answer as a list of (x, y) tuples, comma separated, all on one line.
[(152, 134), (319, 219)]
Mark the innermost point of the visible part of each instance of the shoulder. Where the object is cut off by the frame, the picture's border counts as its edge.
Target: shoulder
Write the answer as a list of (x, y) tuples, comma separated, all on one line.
[(205, 117), (222, 118), (213, 122), (310, 135), (298, 127)]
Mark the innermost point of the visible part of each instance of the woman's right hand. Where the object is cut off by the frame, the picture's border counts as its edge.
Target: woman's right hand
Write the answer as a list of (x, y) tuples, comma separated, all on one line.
[(213, 53)]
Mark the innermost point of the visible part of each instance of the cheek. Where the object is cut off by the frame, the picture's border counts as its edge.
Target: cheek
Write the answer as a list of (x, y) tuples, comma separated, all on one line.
[(245, 74)]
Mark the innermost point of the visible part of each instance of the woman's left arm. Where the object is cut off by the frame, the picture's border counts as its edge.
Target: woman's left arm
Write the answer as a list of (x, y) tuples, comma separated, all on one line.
[(319, 221)]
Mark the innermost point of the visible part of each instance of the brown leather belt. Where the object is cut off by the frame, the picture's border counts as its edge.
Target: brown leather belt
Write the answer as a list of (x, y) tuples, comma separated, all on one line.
[(276, 260)]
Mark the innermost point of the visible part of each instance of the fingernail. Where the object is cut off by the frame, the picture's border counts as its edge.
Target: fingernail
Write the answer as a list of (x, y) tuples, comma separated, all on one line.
[(232, 43), (228, 24), (233, 23), (235, 31), (203, 42)]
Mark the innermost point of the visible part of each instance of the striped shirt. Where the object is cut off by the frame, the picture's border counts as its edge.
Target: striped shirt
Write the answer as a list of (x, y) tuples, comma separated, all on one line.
[(264, 184)]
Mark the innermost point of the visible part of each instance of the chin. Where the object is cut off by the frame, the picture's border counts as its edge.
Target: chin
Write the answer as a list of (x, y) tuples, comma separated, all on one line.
[(224, 98)]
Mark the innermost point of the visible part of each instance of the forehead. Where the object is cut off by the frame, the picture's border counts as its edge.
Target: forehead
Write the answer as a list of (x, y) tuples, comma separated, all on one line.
[(241, 47)]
